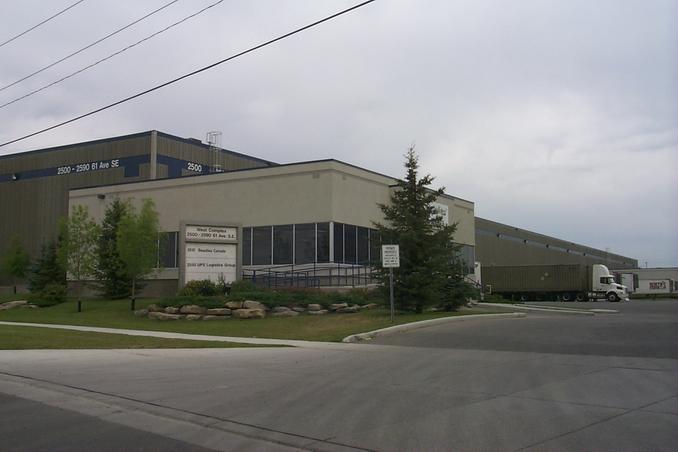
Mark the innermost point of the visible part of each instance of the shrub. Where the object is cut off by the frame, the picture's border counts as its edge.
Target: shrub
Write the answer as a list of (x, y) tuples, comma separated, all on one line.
[(204, 288), (50, 295)]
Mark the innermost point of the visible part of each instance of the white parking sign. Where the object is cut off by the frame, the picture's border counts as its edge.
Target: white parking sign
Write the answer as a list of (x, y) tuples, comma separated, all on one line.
[(390, 256)]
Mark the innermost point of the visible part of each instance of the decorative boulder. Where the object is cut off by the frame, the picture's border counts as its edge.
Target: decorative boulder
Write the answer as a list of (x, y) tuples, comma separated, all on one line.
[(155, 308), (337, 306), (288, 313), (12, 304), (193, 317), (248, 314), (162, 316), (371, 306), (141, 313), (321, 312), (298, 309), (348, 310), (171, 310), (234, 304), (314, 307), (215, 317), (192, 309), (250, 304), (218, 311), (280, 309)]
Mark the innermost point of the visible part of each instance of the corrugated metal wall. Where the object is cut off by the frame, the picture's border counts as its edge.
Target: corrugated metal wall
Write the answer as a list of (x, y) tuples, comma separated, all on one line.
[(31, 205), (500, 244)]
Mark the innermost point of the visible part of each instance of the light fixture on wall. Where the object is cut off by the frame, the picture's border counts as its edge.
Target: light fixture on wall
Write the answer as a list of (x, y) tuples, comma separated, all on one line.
[(15, 176)]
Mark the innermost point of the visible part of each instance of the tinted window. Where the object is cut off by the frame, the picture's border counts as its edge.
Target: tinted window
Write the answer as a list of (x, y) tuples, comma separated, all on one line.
[(349, 244), (261, 245), (282, 244), (246, 246), (167, 250), (338, 242), (363, 245), (304, 246), (323, 242), (375, 246)]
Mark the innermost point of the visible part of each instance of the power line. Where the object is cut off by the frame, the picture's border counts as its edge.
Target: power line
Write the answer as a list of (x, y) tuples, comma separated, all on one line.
[(72, 74), (157, 87), (43, 22), (89, 45)]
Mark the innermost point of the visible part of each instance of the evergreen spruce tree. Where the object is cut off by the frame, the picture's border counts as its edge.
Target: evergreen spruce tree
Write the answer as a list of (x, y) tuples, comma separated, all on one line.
[(47, 269), (429, 262), (110, 270), (16, 261)]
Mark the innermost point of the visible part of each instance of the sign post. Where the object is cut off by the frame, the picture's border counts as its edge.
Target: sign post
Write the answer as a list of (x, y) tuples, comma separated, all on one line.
[(390, 258)]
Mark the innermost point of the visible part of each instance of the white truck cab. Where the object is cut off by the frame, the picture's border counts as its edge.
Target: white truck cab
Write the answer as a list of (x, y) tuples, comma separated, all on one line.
[(604, 286)]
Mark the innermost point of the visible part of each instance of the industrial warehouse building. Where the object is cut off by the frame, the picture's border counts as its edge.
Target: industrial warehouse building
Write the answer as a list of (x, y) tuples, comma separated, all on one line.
[(239, 215)]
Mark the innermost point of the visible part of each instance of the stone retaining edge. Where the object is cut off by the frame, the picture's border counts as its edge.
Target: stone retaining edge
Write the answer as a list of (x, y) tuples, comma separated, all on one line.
[(360, 337)]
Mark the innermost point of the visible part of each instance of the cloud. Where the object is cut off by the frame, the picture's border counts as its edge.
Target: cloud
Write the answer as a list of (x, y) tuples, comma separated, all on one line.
[(554, 116)]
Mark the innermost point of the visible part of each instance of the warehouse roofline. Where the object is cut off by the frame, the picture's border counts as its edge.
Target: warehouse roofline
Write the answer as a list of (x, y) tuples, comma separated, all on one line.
[(193, 141), (263, 168), (544, 237)]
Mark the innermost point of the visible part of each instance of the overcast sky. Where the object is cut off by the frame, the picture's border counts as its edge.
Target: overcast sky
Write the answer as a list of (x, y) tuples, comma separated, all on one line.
[(559, 117)]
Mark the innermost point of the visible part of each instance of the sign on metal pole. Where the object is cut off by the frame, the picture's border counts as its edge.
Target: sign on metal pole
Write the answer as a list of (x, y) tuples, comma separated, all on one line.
[(390, 258)]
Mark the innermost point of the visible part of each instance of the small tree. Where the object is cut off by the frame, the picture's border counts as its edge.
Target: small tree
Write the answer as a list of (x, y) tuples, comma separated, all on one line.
[(113, 281), (77, 251), (16, 261), (46, 270), (138, 243), (429, 259)]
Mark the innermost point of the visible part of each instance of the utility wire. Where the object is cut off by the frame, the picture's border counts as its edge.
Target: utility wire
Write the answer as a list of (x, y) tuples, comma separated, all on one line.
[(157, 87), (72, 74), (89, 45), (43, 22)]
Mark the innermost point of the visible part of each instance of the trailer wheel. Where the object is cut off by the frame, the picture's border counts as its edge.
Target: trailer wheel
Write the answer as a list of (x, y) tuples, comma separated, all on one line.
[(566, 297), (523, 297), (612, 297), (580, 297)]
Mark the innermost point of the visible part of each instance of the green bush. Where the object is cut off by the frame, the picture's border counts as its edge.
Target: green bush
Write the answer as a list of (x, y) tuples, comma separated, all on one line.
[(204, 288), (50, 295)]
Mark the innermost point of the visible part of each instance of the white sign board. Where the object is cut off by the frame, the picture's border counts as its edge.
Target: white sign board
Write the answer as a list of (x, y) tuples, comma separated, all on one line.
[(210, 233), (390, 256), (210, 261)]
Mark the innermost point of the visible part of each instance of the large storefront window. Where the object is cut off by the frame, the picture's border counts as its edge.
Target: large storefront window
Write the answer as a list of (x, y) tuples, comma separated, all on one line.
[(304, 243), (467, 254), (246, 246), (261, 245), (168, 255), (350, 244), (323, 236), (338, 242), (282, 244), (307, 243)]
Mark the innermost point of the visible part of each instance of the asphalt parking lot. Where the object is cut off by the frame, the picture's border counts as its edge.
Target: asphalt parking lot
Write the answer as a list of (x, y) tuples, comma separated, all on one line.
[(547, 382), (642, 328)]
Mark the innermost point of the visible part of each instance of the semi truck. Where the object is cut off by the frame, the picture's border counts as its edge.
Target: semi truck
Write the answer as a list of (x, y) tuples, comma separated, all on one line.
[(566, 282)]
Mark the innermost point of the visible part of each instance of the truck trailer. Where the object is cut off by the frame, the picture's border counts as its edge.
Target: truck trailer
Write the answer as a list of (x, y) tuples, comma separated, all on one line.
[(567, 282)]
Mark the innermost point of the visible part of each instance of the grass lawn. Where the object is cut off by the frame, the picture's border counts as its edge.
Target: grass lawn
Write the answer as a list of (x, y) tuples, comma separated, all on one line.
[(116, 314), (32, 338)]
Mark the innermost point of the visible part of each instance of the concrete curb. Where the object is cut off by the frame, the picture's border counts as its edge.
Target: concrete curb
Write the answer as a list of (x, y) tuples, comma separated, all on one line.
[(353, 338), (531, 308)]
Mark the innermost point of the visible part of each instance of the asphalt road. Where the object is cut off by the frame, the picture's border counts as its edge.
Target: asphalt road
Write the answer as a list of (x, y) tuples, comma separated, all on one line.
[(545, 382)]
